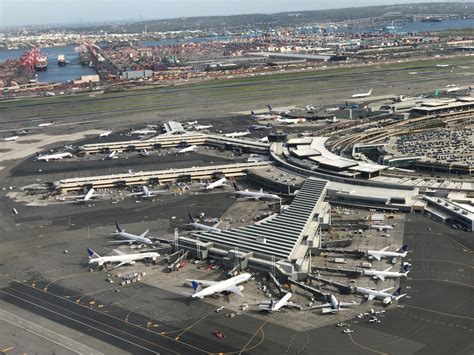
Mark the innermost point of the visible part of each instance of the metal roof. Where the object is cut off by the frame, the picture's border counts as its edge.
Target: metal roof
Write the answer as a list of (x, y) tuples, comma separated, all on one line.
[(277, 236)]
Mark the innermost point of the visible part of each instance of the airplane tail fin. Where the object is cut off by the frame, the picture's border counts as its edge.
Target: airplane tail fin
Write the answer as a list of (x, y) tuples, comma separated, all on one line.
[(269, 107), (92, 254), (235, 186), (370, 92), (119, 229), (253, 113), (403, 248), (270, 305), (191, 217), (397, 292), (196, 287)]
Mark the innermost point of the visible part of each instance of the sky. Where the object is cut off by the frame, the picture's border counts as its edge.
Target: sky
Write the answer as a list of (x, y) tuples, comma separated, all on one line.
[(39, 12)]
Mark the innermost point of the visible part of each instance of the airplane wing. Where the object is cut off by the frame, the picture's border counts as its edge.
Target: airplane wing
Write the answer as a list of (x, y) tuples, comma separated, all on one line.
[(327, 310), (123, 241), (325, 305), (370, 297), (388, 269), (294, 305), (135, 193), (384, 249), (216, 224), (386, 289), (204, 282), (236, 290), (380, 277), (120, 264), (348, 304), (376, 256), (118, 252)]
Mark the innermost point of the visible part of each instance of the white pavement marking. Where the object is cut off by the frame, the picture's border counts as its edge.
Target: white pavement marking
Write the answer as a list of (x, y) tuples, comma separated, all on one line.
[(47, 334)]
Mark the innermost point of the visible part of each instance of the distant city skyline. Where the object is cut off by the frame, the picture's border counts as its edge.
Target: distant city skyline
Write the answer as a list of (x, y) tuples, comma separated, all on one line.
[(52, 12)]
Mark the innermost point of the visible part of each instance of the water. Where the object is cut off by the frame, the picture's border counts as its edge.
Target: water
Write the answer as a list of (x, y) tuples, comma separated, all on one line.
[(420, 26), (55, 73)]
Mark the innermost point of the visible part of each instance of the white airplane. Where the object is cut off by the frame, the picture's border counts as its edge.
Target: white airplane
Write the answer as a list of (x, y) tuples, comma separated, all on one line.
[(191, 148), (86, 196), (334, 306), (192, 123), (290, 120), (384, 274), (229, 285), (111, 155), (237, 134), (144, 132), (145, 193), (382, 253), (442, 65), (55, 156), (386, 298), (453, 89), (365, 94), (272, 306), (105, 134), (256, 127), (202, 127), (264, 116), (203, 227), (254, 195), (381, 227), (12, 138), (332, 109), (263, 140), (47, 124), (130, 238), (219, 183), (278, 112), (121, 258)]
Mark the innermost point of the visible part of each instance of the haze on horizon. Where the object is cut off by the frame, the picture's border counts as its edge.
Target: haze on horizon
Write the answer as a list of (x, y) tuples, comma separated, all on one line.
[(51, 12)]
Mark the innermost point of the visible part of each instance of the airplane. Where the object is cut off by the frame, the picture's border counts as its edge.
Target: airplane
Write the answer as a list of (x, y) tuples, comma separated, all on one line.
[(191, 148), (144, 132), (111, 155), (237, 134), (192, 123), (202, 127), (121, 258), (229, 285), (381, 228), (200, 226), (255, 195), (382, 253), (47, 124), (383, 274), (55, 156), (257, 127), (279, 112), (130, 238), (219, 183), (263, 140), (386, 298), (290, 120), (442, 65), (334, 306), (453, 89), (105, 134), (10, 139), (86, 196), (264, 116), (144, 153), (332, 120), (145, 193), (272, 306), (332, 109), (365, 94)]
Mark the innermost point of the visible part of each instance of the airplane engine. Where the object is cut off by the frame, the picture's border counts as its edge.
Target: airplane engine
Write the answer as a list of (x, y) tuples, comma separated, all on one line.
[(132, 262), (153, 258), (387, 300), (241, 288)]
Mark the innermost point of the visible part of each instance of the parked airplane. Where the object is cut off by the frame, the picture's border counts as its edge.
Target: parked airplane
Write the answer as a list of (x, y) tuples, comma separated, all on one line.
[(121, 258), (202, 127), (192, 123), (272, 306), (145, 193), (442, 65), (365, 94), (229, 285), (144, 132), (264, 116), (256, 127), (191, 148), (219, 183), (334, 306), (84, 197), (47, 124), (10, 139), (381, 228), (54, 156), (254, 195), (382, 253), (200, 226), (384, 274), (279, 112), (111, 155), (130, 238), (237, 134), (263, 140), (290, 120), (105, 134), (453, 89), (386, 298)]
